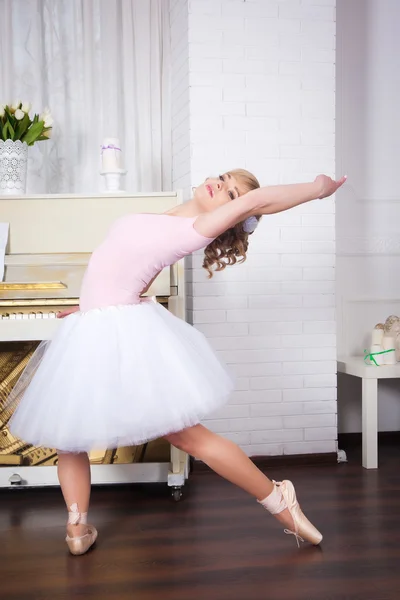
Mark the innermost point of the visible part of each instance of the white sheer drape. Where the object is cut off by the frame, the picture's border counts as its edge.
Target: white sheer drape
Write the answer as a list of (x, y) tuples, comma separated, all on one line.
[(102, 66)]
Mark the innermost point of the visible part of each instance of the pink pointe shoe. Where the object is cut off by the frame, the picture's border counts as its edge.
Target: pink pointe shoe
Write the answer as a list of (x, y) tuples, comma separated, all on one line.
[(80, 544), (304, 530)]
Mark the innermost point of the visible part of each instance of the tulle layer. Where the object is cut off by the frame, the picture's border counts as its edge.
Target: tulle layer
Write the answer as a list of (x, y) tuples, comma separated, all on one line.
[(115, 377)]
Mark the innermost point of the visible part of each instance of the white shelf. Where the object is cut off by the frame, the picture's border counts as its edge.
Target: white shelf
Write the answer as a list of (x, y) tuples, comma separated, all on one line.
[(355, 365)]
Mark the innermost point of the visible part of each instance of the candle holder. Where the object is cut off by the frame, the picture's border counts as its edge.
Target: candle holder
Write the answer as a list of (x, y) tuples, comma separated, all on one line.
[(113, 180)]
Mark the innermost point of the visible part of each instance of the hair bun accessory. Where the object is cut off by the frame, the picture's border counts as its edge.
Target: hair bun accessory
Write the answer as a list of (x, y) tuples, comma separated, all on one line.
[(250, 224)]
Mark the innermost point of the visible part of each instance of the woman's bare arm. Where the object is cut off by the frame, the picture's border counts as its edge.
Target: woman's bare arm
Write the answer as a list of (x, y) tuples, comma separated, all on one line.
[(264, 201)]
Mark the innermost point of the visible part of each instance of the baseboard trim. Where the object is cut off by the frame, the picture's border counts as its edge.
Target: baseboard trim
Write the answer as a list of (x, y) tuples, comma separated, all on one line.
[(352, 440), (287, 460)]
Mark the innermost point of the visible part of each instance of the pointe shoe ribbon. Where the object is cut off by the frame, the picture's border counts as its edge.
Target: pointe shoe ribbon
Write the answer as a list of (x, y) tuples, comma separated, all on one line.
[(296, 535), (74, 516)]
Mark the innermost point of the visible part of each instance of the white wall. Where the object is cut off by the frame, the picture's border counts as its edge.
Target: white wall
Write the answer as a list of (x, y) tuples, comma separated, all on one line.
[(262, 97), (368, 208)]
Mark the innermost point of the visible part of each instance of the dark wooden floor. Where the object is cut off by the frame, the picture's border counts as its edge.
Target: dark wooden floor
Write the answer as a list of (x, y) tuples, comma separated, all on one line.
[(217, 544)]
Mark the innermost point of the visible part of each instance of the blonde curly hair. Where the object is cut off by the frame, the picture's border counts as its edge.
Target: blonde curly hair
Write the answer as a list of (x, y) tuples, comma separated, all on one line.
[(231, 246)]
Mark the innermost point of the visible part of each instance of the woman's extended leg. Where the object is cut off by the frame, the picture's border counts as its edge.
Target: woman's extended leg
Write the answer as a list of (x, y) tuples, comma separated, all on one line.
[(228, 460)]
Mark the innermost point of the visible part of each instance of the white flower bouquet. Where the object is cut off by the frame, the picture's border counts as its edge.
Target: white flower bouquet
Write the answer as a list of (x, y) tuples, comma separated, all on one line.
[(16, 124)]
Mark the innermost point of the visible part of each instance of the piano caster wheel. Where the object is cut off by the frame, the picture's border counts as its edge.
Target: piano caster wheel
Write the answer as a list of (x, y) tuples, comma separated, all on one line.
[(16, 480), (176, 493)]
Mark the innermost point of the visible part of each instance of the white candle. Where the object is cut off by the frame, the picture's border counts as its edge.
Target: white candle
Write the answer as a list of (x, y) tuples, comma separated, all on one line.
[(111, 155), (388, 343), (390, 358), (377, 336), (397, 348), (379, 358)]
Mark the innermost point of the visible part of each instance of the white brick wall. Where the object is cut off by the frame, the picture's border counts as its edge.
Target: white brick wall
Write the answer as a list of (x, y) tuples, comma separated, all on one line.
[(261, 97)]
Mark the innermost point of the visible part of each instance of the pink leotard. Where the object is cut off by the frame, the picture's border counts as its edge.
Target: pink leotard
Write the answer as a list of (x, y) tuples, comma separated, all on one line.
[(136, 248)]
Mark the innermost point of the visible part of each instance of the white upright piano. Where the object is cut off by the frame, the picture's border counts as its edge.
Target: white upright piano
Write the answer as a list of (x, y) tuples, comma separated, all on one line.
[(50, 242)]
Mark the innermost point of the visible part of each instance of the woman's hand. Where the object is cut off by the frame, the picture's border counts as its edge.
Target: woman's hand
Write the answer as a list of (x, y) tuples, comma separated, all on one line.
[(68, 311), (328, 186)]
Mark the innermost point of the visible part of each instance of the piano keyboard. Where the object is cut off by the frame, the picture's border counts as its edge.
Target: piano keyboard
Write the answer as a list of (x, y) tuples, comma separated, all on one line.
[(26, 316), (27, 320)]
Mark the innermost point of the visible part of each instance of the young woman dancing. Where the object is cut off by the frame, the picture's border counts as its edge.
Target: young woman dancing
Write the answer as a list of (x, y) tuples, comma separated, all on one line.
[(122, 370)]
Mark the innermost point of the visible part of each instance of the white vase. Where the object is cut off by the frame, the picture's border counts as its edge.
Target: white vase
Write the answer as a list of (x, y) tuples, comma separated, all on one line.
[(13, 167)]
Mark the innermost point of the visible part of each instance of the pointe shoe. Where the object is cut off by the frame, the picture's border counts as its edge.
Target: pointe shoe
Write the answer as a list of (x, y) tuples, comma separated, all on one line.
[(304, 530), (81, 544)]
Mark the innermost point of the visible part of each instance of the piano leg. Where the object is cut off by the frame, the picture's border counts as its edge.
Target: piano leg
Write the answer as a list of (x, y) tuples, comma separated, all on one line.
[(178, 472)]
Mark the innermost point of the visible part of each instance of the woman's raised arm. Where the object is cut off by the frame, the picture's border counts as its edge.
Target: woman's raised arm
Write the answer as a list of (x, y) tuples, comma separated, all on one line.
[(265, 201)]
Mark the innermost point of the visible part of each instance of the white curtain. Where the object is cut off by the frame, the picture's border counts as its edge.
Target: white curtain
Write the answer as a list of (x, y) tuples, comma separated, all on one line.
[(103, 69)]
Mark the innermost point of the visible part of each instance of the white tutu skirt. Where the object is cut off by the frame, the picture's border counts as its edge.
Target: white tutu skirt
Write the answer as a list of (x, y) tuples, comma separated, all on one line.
[(117, 376)]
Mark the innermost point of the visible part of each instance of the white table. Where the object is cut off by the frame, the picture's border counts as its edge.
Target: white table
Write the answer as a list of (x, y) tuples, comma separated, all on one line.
[(369, 374)]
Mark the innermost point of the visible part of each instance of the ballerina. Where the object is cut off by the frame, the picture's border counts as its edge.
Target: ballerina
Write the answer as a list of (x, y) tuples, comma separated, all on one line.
[(122, 370)]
